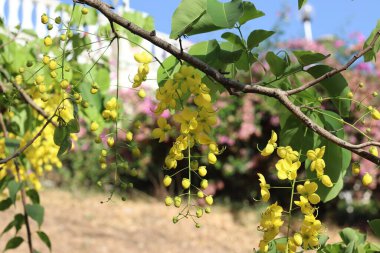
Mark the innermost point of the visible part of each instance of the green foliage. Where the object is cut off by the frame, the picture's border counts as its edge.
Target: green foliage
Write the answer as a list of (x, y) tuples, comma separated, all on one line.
[(306, 58), (225, 15), (335, 86), (44, 238), (144, 21), (375, 226), (277, 64), (13, 243), (249, 12), (256, 37), (301, 3), (371, 55), (36, 212)]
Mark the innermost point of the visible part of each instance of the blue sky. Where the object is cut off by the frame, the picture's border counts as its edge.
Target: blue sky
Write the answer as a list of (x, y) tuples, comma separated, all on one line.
[(339, 17)]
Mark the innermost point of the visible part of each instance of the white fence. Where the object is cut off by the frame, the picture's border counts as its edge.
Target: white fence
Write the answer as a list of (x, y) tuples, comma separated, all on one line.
[(27, 14)]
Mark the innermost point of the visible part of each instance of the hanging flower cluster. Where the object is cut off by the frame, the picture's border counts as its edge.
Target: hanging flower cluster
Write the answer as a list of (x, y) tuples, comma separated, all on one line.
[(287, 169), (194, 116)]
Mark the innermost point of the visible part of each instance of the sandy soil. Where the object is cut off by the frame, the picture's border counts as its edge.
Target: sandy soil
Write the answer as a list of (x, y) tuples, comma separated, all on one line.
[(78, 223)]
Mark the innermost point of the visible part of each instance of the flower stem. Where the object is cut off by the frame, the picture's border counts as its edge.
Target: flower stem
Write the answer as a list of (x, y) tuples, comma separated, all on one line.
[(290, 211)]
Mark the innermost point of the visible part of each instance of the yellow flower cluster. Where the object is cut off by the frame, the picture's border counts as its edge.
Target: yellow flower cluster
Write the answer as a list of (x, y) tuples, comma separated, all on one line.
[(190, 99), (144, 59), (287, 167), (318, 164), (111, 109), (270, 224), (195, 122)]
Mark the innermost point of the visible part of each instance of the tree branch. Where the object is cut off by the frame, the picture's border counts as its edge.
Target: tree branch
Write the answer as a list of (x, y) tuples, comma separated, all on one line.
[(229, 84), (336, 71)]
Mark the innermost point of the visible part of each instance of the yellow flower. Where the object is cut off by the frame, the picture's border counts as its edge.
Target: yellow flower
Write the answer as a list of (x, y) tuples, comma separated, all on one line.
[(316, 154), (373, 150), (110, 142), (305, 206), (211, 158), (143, 57), (209, 200), (355, 169), (271, 145), (271, 222), (308, 191), (367, 179), (94, 126), (287, 153), (163, 128), (286, 169), (268, 150), (129, 136), (375, 114), (326, 181), (265, 195), (187, 119)]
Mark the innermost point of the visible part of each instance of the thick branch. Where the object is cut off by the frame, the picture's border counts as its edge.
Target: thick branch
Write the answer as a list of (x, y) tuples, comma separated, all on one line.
[(336, 71), (280, 95)]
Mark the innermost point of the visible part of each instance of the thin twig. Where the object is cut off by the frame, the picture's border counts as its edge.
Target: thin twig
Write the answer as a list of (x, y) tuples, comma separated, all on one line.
[(335, 71), (3, 125), (23, 201)]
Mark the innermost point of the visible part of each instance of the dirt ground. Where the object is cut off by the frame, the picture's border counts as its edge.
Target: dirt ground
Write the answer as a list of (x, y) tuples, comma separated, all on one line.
[(78, 223)]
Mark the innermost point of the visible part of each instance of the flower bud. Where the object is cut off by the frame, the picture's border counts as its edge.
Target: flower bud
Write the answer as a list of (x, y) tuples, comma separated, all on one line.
[(367, 179)]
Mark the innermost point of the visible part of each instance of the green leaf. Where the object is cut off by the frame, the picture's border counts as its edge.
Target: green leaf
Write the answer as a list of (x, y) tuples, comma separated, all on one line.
[(301, 3), (249, 12), (295, 134), (169, 66), (36, 212), (73, 126), (233, 38), (350, 247), (308, 57), (277, 64), (5, 204), (375, 226), (190, 18), (225, 15), (12, 145), (336, 86), (258, 36), (371, 54), (13, 243), (229, 52), (65, 146), (140, 19), (7, 228), (102, 78), (322, 239), (33, 195), (350, 235), (18, 221), (60, 134), (331, 248), (207, 51), (45, 238), (13, 188)]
